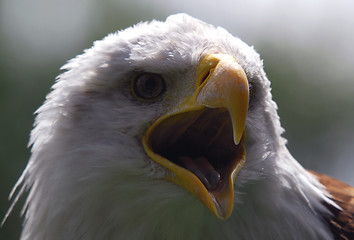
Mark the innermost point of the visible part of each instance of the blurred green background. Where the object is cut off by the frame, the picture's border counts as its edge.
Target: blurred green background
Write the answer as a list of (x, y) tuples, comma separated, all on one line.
[(307, 47)]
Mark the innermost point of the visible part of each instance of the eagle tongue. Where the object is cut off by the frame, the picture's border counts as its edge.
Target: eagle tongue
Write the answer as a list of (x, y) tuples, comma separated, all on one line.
[(202, 168)]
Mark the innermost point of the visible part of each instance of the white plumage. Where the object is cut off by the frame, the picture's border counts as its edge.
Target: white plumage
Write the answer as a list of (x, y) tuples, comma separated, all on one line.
[(89, 176)]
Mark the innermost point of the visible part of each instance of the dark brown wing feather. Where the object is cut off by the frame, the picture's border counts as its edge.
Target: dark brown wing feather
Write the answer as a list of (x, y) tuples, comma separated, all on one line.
[(341, 223)]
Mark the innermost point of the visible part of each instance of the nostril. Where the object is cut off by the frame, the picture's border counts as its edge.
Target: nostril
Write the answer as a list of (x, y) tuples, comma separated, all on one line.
[(205, 76), (206, 67)]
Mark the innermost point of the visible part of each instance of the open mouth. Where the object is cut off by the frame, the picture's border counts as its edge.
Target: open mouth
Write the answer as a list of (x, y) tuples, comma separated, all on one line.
[(200, 141)]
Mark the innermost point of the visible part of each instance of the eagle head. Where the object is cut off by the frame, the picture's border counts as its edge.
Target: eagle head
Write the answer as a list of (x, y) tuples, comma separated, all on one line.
[(166, 130)]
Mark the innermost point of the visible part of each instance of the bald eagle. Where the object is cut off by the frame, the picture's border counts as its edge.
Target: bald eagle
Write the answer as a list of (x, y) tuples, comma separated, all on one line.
[(168, 130)]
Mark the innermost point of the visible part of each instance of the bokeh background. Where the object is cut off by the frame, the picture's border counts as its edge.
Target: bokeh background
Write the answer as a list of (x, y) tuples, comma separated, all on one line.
[(307, 47)]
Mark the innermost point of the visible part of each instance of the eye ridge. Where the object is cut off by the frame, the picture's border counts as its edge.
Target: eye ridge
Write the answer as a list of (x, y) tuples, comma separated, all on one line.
[(148, 86)]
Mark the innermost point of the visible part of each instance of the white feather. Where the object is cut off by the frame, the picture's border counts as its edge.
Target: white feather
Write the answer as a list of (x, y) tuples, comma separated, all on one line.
[(89, 177)]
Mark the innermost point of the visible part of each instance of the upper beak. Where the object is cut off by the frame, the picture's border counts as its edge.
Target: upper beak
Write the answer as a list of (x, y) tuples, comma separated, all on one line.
[(201, 142)]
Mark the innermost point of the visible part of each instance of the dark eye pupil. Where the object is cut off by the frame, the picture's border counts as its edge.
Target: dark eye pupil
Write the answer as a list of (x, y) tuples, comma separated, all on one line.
[(148, 86), (250, 86)]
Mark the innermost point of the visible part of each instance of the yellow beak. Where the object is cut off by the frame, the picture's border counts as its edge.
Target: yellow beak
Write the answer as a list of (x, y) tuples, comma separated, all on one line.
[(201, 142)]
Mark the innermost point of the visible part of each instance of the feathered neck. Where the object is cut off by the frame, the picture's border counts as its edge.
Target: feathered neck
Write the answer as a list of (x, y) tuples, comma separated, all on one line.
[(128, 202), (75, 193)]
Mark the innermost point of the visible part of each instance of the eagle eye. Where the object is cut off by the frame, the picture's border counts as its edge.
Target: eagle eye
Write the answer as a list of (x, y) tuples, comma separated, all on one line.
[(250, 86), (148, 86)]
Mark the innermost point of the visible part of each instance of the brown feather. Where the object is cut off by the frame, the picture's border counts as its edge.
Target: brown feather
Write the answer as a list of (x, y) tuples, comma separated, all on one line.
[(341, 222)]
